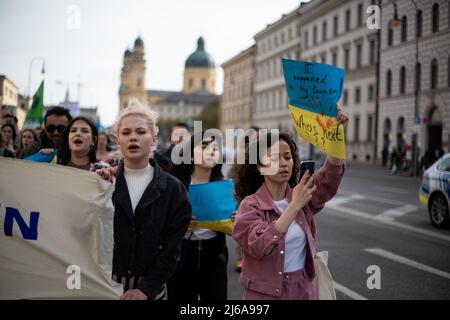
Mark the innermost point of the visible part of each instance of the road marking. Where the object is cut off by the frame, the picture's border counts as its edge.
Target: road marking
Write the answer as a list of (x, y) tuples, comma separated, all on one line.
[(390, 222), (350, 293), (344, 199), (397, 212), (408, 262), (373, 198), (390, 189)]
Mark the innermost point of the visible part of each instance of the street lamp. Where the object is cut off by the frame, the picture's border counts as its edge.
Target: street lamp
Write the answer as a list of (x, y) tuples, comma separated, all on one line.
[(29, 72), (395, 22)]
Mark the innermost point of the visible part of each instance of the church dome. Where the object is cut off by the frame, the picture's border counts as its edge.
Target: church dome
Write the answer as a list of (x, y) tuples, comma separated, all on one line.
[(200, 58)]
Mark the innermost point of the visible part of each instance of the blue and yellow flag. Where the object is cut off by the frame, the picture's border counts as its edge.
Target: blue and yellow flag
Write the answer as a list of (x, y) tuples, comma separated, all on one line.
[(213, 204), (314, 90)]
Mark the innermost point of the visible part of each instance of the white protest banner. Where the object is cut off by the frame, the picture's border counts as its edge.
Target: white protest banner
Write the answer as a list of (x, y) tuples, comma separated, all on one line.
[(56, 233)]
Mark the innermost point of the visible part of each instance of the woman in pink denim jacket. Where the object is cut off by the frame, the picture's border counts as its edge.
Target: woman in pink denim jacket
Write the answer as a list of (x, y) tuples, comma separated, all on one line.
[(275, 221)]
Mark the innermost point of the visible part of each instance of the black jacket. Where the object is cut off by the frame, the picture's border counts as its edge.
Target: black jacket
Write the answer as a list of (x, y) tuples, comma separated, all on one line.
[(148, 244)]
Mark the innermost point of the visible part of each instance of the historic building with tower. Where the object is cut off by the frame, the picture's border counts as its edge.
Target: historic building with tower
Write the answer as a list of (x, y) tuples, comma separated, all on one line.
[(199, 84)]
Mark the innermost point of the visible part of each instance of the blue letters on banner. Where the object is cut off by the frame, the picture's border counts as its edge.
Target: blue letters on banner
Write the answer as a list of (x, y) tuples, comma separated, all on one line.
[(28, 232), (212, 201), (315, 87)]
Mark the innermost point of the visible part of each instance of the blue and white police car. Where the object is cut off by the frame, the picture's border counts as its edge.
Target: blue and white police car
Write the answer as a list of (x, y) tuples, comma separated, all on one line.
[(435, 191)]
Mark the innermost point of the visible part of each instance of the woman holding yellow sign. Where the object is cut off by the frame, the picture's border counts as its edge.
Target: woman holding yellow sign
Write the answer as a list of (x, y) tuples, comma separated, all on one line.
[(275, 222)]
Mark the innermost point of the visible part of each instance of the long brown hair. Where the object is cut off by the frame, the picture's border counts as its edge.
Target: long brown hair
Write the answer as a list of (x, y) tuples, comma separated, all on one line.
[(65, 150), (249, 179)]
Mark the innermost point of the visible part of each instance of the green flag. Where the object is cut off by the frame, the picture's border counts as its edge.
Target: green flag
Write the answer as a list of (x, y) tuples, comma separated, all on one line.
[(35, 116)]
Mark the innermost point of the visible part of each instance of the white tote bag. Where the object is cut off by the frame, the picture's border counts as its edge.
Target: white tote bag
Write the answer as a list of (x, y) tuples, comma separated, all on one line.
[(323, 281)]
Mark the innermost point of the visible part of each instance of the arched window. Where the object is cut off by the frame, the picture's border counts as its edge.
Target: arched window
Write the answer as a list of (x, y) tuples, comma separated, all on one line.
[(388, 83), (404, 34), (390, 36), (419, 23), (435, 18), (418, 77), (402, 79), (434, 74)]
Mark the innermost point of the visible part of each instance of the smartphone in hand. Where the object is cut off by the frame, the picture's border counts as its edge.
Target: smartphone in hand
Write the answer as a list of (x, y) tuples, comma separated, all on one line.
[(308, 165)]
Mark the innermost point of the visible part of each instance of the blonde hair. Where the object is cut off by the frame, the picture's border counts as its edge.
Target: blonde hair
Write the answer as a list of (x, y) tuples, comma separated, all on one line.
[(135, 108)]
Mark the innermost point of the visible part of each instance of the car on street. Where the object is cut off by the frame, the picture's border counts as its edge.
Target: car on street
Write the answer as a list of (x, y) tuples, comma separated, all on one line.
[(434, 191)]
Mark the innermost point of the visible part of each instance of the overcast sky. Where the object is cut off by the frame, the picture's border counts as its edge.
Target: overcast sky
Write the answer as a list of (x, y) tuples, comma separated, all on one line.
[(90, 49)]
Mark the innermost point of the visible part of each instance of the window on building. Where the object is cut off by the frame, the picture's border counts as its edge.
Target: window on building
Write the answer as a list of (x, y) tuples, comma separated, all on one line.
[(335, 25), (402, 80), (419, 23), (448, 72), (369, 128), (191, 83), (390, 36), (290, 34), (323, 58), (360, 14), (276, 41), (345, 98), (314, 35), (434, 74), (418, 80), (334, 58), (356, 136), (346, 58), (306, 39), (388, 83), (138, 82), (435, 18), (358, 95), (370, 93), (404, 34), (372, 51), (347, 20), (282, 37), (203, 84), (324, 31), (358, 55)]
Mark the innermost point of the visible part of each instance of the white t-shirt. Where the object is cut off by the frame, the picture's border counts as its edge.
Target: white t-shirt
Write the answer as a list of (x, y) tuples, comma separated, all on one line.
[(137, 182), (295, 242)]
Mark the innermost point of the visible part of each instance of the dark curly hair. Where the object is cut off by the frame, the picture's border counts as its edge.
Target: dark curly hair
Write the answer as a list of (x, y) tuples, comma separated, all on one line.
[(184, 171), (65, 150), (249, 179)]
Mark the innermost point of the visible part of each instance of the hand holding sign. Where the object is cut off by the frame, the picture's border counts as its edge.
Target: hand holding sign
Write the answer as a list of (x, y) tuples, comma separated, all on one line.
[(314, 90)]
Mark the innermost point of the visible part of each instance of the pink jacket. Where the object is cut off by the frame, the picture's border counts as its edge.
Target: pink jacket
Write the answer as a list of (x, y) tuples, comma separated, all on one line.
[(254, 230)]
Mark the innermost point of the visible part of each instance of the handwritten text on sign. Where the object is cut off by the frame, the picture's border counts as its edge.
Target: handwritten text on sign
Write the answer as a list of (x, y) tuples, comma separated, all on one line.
[(314, 90)]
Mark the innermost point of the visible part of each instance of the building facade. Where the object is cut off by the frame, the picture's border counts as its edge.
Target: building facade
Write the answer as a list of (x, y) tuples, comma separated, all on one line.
[(335, 32), (278, 40), (237, 97), (401, 74)]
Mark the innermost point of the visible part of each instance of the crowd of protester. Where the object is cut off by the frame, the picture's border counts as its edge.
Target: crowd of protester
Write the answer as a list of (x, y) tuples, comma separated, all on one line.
[(158, 251)]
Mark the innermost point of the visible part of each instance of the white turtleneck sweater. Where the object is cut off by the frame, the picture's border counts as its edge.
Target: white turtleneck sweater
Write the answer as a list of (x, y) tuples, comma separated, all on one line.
[(137, 182)]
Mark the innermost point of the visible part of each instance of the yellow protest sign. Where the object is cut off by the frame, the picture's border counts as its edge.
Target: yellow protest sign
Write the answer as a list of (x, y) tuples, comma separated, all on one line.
[(314, 90), (321, 131)]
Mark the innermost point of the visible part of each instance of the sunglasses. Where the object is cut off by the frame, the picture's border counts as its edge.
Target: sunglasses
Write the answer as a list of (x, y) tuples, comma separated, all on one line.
[(51, 128)]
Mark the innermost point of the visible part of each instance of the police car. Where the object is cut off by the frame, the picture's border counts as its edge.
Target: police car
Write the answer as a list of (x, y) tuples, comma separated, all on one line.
[(435, 191)]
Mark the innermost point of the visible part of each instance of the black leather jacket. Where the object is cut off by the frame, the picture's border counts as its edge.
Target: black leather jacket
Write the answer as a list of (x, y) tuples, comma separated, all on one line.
[(148, 244)]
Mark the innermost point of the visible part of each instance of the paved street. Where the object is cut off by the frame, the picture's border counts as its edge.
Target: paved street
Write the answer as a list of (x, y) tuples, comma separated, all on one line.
[(376, 219)]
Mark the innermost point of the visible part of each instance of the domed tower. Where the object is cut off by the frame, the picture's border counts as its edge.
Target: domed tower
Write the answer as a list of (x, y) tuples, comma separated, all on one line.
[(132, 78), (199, 71)]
